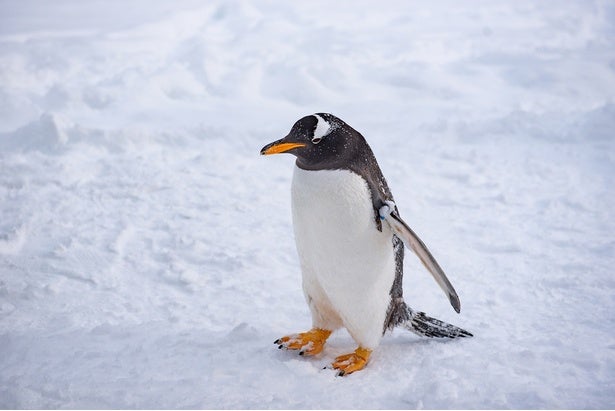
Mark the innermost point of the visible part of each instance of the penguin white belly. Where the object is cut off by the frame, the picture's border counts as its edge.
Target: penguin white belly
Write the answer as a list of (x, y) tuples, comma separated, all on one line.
[(348, 266)]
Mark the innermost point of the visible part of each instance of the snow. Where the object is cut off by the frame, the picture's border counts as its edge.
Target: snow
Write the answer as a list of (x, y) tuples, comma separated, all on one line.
[(146, 249)]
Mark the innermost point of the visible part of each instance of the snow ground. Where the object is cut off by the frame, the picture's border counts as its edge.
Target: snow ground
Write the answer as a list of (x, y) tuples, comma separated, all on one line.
[(146, 249)]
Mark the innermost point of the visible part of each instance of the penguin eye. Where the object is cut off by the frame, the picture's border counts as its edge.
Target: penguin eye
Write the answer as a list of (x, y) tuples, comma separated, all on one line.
[(316, 140)]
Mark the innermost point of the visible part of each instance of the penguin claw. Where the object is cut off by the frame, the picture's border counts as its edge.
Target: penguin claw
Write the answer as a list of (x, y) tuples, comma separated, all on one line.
[(308, 343), (349, 363)]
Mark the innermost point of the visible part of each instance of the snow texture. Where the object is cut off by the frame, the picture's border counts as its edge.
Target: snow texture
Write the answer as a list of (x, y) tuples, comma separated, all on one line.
[(146, 249)]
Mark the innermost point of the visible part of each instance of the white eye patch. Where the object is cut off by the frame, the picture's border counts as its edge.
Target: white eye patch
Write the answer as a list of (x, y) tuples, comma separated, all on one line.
[(322, 129)]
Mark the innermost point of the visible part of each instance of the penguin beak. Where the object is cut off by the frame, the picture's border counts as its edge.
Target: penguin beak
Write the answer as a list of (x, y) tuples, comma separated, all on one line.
[(280, 146)]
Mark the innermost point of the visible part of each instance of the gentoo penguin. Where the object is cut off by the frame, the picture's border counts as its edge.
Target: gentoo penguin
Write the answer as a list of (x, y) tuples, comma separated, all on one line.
[(350, 240)]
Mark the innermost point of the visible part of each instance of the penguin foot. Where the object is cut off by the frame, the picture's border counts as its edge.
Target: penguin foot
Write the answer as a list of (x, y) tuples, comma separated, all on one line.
[(349, 363), (308, 343)]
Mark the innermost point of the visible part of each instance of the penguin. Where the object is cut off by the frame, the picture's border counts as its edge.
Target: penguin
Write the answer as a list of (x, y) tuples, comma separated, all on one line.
[(350, 240)]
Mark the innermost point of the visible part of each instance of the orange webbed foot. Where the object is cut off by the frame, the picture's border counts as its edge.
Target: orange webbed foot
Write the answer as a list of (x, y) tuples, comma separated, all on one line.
[(349, 363), (308, 343)]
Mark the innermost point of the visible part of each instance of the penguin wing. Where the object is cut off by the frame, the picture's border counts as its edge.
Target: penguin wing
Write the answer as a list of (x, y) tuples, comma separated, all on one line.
[(389, 213)]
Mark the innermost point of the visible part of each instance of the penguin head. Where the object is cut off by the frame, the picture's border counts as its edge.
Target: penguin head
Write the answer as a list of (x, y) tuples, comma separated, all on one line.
[(318, 141)]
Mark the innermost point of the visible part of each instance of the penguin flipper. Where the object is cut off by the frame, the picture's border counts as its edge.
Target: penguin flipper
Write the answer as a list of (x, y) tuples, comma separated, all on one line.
[(389, 213)]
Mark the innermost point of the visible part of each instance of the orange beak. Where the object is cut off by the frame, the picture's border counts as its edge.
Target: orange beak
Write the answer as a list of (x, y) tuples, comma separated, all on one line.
[(279, 147)]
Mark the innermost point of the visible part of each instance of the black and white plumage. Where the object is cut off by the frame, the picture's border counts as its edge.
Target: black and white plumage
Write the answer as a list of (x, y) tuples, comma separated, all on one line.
[(350, 239)]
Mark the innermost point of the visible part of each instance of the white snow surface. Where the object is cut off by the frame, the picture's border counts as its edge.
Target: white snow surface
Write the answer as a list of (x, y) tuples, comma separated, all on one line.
[(147, 257)]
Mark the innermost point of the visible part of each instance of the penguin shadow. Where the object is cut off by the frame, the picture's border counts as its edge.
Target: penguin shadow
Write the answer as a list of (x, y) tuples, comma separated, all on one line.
[(405, 340), (405, 350)]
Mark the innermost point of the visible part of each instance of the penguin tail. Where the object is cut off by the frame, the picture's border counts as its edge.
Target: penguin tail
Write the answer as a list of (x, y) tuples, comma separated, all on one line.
[(400, 315), (422, 324)]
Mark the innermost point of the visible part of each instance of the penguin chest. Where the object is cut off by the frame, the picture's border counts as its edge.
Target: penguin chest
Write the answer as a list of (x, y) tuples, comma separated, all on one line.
[(347, 264)]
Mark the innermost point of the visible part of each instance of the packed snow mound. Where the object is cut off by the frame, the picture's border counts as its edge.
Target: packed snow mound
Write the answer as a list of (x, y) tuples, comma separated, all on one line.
[(146, 249), (42, 134)]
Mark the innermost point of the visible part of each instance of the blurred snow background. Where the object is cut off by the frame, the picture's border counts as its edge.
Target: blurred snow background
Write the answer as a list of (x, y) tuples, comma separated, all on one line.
[(146, 250)]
